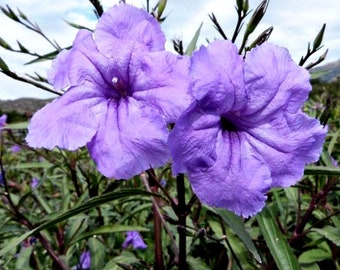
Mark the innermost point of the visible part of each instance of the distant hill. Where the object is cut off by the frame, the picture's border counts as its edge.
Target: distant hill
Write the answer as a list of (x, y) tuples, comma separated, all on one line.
[(329, 72), (24, 106)]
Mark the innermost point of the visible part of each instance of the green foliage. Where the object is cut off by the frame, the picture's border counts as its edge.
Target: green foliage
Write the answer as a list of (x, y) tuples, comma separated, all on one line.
[(75, 209)]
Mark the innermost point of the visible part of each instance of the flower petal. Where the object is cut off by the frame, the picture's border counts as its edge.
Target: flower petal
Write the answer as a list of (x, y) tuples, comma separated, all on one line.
[(274, 83), (217, 71), (191, 141), (237, 181), (124, 23), (69, 122), (83, 65), (287, 144), (162, 82), (130, 139)]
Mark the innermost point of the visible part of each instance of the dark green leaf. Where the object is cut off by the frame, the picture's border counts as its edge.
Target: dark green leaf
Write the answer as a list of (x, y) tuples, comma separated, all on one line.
[(276, 242), (237, 225), (322, 170)]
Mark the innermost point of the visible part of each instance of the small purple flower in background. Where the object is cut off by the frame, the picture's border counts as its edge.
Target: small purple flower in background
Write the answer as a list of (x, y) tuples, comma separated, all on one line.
[(334, 162), (15, 148), (246, 132), (34, 183), (3, 119), (2, 181), (122, 91), (135, 239), (84, 261)]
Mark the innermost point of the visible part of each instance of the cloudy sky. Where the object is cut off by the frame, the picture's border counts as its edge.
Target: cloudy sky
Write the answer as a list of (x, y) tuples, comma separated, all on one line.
[(295, 24)]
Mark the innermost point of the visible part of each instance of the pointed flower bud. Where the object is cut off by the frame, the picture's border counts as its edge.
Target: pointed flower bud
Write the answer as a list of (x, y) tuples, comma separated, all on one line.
[(245, 6), (318, 38), (161, 7), (257, 17), (4, 44), (3, 66), (239, 4)]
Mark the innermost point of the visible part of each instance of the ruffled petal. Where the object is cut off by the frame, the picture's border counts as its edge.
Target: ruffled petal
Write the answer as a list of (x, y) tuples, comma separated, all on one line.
[(162, 81), (130, 139), (58, 74), (83, 65), (287, 144), (237, 181), (274, 83), (217, 71), (124, 23), (191, 141), (69, 122)]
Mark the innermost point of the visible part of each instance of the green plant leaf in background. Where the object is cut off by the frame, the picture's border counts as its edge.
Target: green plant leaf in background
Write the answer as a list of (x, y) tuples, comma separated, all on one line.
[(276, 242), (94, 202), (331, 233), (237, 225), (97, 251), (321, 170)]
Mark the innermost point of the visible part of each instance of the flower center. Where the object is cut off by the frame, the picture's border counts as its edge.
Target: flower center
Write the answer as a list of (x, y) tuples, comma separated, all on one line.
[(227, 125), (119, 86)]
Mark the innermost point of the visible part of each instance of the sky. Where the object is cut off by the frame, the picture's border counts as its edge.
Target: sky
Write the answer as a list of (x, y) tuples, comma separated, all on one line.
[(295, 24)]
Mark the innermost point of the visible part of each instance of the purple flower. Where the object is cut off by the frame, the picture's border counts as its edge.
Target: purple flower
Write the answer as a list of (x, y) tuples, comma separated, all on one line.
[(15, 148), (135, 239), (3, 119), (34, 183), (122, 91), (245, 132), (84, 261)]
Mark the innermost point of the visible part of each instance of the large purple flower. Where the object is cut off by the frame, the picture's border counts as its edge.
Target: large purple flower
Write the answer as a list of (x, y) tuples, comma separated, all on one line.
[(245, 132), (122, 89)]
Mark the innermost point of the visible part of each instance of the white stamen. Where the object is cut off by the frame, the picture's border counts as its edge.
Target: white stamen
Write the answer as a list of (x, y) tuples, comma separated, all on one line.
[(114, 80)]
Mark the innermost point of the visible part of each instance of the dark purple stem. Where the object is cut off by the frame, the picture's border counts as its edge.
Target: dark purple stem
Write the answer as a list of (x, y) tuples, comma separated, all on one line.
[(181, 214)]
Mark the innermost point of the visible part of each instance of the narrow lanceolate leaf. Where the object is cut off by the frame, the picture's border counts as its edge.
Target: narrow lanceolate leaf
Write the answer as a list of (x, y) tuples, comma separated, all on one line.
[(237, 225), (193, 42), (92, 203), (322, 170), (276, 242)]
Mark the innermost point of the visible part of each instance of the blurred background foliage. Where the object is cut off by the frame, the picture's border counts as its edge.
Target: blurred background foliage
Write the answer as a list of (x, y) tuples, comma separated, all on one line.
[(55, 206)]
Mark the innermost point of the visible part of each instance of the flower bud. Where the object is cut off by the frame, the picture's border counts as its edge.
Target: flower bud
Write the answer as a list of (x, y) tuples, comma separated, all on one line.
[(4, 44), (318, 38), (161, 7), (245, 6), (239, 4), (257, 17), (3, 66)]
